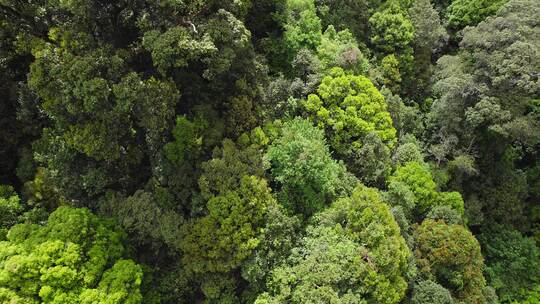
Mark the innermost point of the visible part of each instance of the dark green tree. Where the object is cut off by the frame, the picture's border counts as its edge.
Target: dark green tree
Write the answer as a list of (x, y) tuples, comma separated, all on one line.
[(451, 255)]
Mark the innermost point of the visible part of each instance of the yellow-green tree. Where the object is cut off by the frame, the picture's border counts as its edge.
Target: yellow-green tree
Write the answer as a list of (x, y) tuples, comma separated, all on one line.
[(76, 257), (349, 107)]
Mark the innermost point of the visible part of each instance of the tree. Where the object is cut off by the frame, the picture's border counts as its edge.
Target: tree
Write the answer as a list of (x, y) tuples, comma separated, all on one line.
[(451, 255), (429, 34), (106, 79), (430, 292), (392, 34), (392, 30), (302, 166), (15, 209), (445, 213), (215, 246), (303, 27), (224, 172), (512, 262), (407, 118), (369, 221), (352, 253), (532, 296), (341, 49), (474, 109), (408, 151), (152, 224), (304, 31), (348, 108), (331, 262), (429, 37), (412, 187), (280, 235), (328, 267), (91, 133), (186, 141), (74, 257), (469, 13), (391, 77), (352, 15), (227, 235)]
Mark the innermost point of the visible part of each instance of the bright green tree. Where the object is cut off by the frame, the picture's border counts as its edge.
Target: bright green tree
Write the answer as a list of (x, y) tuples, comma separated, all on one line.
[(303, 27), (348, 108), (463, 13), (392, 30), (75, 257), (412, 187)]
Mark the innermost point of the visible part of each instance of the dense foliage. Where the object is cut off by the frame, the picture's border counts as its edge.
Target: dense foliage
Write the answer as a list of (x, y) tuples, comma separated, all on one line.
[(270, 151), (75, 258)]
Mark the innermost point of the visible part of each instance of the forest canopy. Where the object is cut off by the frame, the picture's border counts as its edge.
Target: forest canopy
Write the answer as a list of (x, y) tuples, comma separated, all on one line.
[(270, 151)]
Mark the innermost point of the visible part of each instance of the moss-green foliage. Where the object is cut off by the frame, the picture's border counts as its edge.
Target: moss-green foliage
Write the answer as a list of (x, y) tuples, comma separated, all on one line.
[(429, 292), (304, 31), (75, 257), (98, 112), (391, 77), (531, 296), (302, 166), (175, 48), (451, 255), (327, 268), (369, 222), (470, 106), (221, 240), (446, 214), (429, 37), (228, 165), (227, 137), (340, 49), (280, 234), (408, 151), (148, 218), (352, 253), (186, 141), (352, 15)]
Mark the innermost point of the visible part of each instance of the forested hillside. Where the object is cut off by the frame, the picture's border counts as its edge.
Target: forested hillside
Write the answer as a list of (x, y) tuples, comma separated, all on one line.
[(270, 151)]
